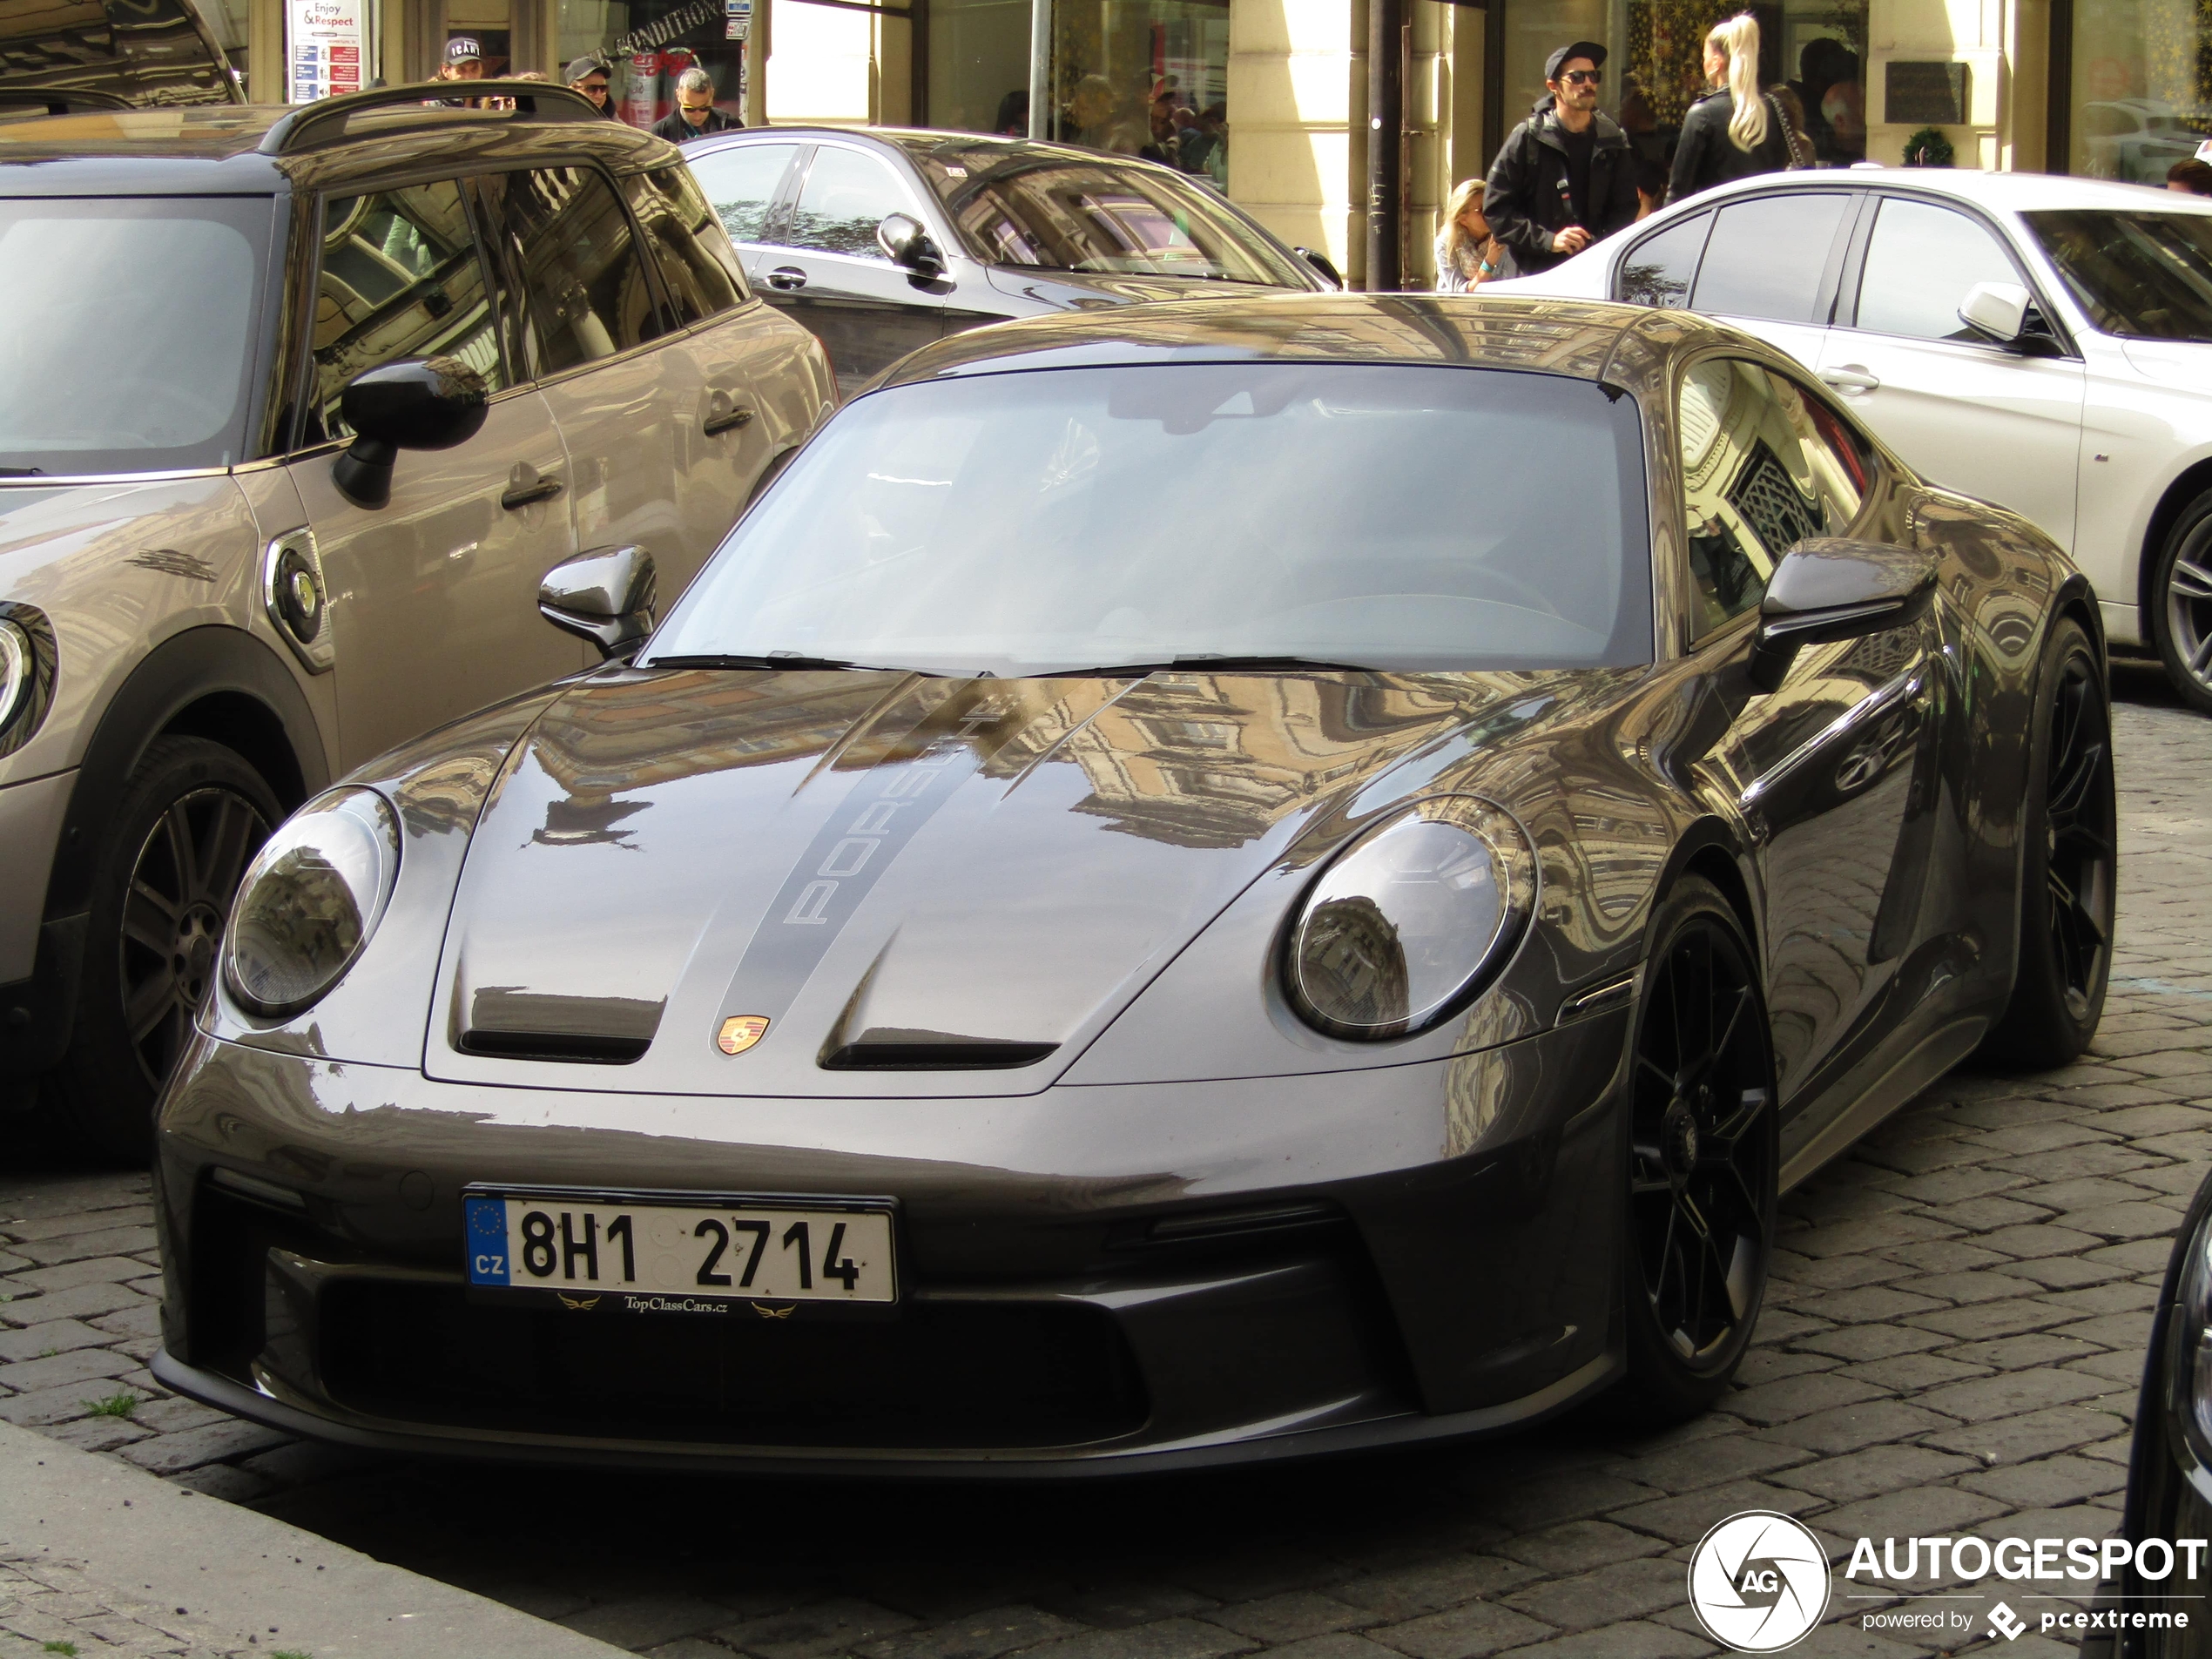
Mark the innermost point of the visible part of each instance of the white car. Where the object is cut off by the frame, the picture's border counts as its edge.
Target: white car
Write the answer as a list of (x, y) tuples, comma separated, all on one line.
[(2080, 396)]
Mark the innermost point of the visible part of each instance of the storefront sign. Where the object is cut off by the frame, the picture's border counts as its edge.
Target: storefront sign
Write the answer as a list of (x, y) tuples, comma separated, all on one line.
[(736, 19), (1923, 94), (323, 40)]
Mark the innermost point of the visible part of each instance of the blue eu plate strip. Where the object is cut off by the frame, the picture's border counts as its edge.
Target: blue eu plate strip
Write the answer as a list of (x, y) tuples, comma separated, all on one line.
[(487, 1241)]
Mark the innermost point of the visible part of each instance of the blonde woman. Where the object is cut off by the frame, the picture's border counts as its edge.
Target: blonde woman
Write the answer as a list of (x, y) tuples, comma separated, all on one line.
[(1734, 130), (1467, 254)]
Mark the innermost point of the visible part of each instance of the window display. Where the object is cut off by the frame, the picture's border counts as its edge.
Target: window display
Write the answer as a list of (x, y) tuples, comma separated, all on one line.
[(2141, 96)]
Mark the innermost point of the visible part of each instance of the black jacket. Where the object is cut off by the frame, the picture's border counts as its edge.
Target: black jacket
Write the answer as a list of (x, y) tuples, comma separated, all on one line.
[(1706, 156), (673, 127), (1525, 199)]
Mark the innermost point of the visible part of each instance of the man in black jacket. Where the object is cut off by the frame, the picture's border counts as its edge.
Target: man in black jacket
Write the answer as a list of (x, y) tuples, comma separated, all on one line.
[(1566, 178), (694, 116)]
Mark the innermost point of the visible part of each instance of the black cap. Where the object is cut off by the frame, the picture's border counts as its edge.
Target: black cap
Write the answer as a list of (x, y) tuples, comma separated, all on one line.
[(586, 66), (1565, 54), (463, 50)]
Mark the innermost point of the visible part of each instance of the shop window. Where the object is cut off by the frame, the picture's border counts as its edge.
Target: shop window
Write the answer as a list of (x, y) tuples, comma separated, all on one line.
[(978, 65), (1767, 256), (400, 276), (2141, 96), (1920, 261), (1148, 79)]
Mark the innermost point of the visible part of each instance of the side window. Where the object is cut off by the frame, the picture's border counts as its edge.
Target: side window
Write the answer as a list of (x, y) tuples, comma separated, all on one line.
[(1760, 471), (1766, 256), (400, 276), (741, 182), (583, 291), (1659, 270), (846, 195), (698, 268), (1920, 261)]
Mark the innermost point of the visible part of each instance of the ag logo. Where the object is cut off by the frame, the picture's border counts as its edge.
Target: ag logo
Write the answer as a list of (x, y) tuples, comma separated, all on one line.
[(1758, 1581)]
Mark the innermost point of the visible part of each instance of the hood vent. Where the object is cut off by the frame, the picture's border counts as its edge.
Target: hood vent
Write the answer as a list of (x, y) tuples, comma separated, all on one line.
[(890, 1049), (505, 1023)]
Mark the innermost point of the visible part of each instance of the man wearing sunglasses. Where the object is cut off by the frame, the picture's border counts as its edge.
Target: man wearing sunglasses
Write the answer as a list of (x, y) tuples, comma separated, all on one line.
[(1566, 178)]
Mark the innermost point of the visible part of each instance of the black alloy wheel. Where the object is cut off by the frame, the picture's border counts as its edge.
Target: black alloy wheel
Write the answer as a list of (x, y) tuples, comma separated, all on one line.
[(2069, 862), (192, 817), (1702, 1152), (2182, 604)]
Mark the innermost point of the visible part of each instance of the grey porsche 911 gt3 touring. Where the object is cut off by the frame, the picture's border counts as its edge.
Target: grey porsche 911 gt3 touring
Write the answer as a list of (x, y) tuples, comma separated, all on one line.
[(1229, 880)]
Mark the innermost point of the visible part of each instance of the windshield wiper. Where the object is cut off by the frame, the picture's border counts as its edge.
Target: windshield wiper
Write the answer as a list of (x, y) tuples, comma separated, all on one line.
[(1208, 664), (774, 660)]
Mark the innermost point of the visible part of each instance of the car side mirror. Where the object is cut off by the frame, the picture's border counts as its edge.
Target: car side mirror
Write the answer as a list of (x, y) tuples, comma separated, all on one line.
[(1320, 262), (416, 403), (1830, 589), (905, 241), (1996, 310), (606, 596)]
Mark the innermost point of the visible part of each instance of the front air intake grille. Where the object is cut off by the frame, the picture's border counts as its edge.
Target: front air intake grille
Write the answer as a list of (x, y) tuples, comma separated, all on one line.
[(569, 1047), (939, 1374), (868, 1055)]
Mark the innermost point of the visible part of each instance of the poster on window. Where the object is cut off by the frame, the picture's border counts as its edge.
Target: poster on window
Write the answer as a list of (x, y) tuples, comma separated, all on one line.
[(324, 39)]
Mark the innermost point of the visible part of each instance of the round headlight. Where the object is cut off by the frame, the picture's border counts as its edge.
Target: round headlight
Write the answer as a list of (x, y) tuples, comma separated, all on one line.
[(1406, 923), (310, 901), (17, 666)]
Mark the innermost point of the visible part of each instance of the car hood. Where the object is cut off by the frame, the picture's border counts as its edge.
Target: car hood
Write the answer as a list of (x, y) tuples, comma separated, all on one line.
[(145, 51), (2176, 363), (962, 881), (1091, 290)]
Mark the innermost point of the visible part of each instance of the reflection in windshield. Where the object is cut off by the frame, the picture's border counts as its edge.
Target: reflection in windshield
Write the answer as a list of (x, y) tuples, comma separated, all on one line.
[(2144, 275), (130, 332), (1057, 212), (1392, 516)]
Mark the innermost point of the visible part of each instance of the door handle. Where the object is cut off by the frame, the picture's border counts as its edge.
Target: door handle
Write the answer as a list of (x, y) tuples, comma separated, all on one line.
[(526, 484), (786, 278), (1852, 380), (721, 415)]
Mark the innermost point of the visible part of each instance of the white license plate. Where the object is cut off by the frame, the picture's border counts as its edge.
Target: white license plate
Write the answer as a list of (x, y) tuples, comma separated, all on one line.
[(701, 1257)]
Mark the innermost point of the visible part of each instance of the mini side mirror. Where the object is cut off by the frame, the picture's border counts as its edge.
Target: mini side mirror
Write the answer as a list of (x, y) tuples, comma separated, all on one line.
[(416, 403), (1831, 589), (1997, 310), (1321, 263), (905, 241), (606, 596)]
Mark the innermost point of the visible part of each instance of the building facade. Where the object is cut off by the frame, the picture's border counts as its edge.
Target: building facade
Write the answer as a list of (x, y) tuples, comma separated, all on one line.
[(1269, 98)]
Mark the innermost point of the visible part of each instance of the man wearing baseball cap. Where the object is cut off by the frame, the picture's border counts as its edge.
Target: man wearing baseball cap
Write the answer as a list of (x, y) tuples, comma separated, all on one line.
[(464, 62), (589, 77), (1566, 178)]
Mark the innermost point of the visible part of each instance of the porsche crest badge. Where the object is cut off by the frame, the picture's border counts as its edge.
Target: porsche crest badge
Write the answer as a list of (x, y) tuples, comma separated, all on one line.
[(740, 1031)]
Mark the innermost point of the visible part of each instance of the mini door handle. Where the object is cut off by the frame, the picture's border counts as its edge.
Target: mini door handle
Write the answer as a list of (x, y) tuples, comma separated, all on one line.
[(786, 277), (1852, 379), (520, 492), (722, 417)]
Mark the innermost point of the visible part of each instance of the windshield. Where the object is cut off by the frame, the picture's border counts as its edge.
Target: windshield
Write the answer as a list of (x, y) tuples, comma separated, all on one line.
[(1366, 515), (2146, 275), (1055, 212), (130, 334)]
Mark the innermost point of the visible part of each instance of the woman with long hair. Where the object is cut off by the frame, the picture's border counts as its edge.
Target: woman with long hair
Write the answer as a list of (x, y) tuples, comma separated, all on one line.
[(1734, 130), (1467, 254)]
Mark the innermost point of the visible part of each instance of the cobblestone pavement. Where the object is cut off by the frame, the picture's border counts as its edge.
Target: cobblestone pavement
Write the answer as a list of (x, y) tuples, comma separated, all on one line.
[(1953, 1340), (49, 1608)]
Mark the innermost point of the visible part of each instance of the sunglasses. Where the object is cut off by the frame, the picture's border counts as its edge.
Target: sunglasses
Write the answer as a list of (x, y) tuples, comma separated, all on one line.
[(1584, 77)]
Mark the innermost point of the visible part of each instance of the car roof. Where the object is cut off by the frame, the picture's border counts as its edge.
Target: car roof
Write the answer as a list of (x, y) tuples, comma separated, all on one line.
[(966, 149), (1570, 337), (2008, 192), (246, 149)]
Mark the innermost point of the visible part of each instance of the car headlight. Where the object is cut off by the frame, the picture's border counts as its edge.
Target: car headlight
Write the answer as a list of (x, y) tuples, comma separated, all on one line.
[(310, 901), (1409, 922), (17, 669)]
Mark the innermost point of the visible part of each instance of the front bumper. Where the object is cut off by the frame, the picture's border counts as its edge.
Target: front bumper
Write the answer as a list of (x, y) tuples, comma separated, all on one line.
[(1096, 1278)]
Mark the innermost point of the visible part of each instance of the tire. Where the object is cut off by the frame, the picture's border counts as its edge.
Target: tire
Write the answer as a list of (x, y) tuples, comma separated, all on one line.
[(1703, 1159), (2069, 834), (2181, 607), (191, 816)]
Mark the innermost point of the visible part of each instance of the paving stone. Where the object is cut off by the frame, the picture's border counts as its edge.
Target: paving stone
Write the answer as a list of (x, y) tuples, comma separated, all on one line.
[(1577, 1546), (1124, 1603), (1401, 1593), (1637, 1639), (2146, 1219), (76, 1246), (645, 1620), (1709, 1463), (1796, 1397), (2008, 1394), (2048, 1482), (1468, 1632), (1859, 1342), (78, 1365), (1849, 1427), (174, 1453), (80, 1302), (2017, 1353), (1875, 1470), (1986, 1320), (1290, 1617), (1169, 1639), (2040, 1239), (2011, 1440), (1625, 1590), (1687, 1519), (1342, 1646)]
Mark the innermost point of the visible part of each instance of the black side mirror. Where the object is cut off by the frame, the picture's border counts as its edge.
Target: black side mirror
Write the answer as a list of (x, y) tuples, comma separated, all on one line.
[(1831, 590), (416, 403), (1320, 262), (606, 596), (905, 241)]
